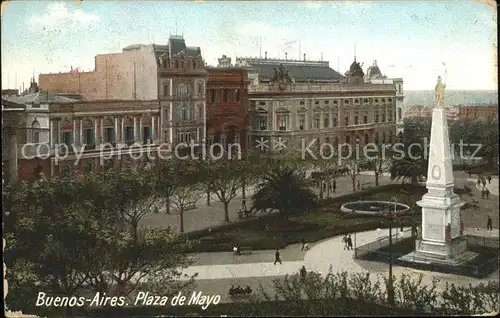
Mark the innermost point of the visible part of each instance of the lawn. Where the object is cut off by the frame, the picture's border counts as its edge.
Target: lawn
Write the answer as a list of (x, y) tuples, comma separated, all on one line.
[(326, 221)]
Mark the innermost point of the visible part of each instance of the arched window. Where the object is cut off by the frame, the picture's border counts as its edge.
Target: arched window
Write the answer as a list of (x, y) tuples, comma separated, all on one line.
[(35, 132), (200, 87), (184, 112), (347, 139), (182, 89)]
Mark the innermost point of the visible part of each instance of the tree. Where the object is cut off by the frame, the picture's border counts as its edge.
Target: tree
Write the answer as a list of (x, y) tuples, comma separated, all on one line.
[(66, 236), (222, 179), (167, 174), (184, 198), (353, 166), (378, 161), (134, 194), (284, 190)]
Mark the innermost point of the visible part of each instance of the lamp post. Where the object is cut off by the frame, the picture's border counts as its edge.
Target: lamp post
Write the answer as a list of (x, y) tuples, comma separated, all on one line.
[(390, 288)]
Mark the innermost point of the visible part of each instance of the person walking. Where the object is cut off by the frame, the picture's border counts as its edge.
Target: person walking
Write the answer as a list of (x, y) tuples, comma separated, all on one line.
[(478, 181), (305, 247), (349, 243), (277, 258), (489, 224), (489, 179), (334, 186), (303, 272), (484, 182), (482, 193), (487, 192), (358, 185), (344, 240)]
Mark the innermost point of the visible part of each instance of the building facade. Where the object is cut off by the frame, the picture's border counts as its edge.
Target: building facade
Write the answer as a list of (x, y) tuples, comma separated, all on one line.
[(477, 112), (227, 106), (298, 102), (375, 76), (182, 92)]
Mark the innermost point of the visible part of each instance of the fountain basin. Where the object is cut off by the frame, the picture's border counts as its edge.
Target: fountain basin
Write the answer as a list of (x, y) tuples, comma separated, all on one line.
[(373, 208)]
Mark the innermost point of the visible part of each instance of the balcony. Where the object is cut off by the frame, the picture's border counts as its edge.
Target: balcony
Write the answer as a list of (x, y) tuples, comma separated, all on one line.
[(359, 127)]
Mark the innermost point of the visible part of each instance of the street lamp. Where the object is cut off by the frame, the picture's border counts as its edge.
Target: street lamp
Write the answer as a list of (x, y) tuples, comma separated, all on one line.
[(390, 288)]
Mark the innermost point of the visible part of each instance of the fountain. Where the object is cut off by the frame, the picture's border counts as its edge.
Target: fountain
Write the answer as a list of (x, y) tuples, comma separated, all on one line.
[(373, 208)]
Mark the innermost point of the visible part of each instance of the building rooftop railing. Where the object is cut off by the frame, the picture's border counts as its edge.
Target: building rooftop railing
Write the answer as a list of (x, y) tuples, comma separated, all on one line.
[(337, 87)]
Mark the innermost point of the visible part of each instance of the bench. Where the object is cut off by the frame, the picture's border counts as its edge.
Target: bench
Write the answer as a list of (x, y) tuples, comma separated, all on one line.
[(366, 185)]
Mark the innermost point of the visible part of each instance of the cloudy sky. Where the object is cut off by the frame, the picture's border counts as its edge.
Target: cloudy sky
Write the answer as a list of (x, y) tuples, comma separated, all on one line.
[(408, 39)]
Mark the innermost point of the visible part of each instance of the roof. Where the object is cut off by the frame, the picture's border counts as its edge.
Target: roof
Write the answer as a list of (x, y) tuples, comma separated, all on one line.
[(40, 98), (176, 44), (299, 72), (7, 104)]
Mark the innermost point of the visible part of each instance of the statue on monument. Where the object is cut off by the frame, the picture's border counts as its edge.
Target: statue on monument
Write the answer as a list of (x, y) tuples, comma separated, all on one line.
[(439, 91)]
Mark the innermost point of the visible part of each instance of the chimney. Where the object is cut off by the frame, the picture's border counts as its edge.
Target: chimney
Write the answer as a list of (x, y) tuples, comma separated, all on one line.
[(286, 56), (265, 55), (304, 56)]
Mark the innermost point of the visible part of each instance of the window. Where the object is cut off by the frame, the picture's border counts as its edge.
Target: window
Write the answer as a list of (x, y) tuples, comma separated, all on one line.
[(376, 100), (184, 113), (262, 103), (262, 123), (365, 119), (66, 171), (399, 89), (302, 122), (390, 100), (389, 116), (400, 113), (356, 119), (182, 89), (109, 134), (129, 133), (383, 117), (377, 117), (383, 100), (146, 134), (335, 102), (326, 121), (316, 123), (182, 64), (316, 102), (200, 87), (237, 95), (225, 95), (356, 101), (36, 137), (212, 95), (346, 101), (335, 122), (66, 138), (176, 64), (365, 100), (346, 121), (282, 122), (88, 136), (166, 91), (35, 126), (326, 102), (302, 103)]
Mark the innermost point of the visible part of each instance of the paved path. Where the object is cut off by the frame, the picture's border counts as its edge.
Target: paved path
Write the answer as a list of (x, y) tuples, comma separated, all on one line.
[(319, 258)]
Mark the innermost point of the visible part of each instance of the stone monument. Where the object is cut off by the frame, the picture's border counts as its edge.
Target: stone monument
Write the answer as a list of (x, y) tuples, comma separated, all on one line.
[(441, 239)]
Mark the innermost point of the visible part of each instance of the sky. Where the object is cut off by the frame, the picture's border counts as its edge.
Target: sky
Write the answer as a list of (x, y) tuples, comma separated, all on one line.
[(414, 40)]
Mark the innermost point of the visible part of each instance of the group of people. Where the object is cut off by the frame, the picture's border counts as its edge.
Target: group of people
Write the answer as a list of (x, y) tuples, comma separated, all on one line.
[(347, 240), (238, 290), (332, 186)]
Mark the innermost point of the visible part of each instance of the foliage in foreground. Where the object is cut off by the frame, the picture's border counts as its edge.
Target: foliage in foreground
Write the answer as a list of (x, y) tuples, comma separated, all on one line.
[(334, 293), (66, 237)]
